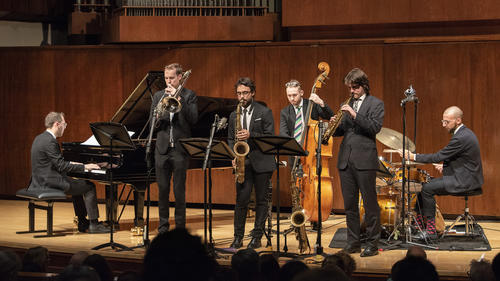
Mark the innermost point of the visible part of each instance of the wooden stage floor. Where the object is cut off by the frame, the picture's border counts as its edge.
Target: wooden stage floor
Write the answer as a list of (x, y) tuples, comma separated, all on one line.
[(14, 217)]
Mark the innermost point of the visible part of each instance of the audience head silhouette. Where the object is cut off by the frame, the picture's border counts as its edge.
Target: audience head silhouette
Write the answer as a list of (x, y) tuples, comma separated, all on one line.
[(414, 269), (291, 269), (36, 259), (481, 271), (100, 265), (342, 260), (245, 264), (177, 255), (10, 264), (332, 273), (78, 273)]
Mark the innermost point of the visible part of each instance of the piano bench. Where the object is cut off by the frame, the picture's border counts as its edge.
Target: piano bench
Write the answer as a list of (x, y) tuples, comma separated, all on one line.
[(35, 197)]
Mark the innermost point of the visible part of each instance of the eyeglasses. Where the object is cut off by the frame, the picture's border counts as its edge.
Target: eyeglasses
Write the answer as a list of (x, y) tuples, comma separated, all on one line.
[(446, 122), (64, 124), (245, 93)]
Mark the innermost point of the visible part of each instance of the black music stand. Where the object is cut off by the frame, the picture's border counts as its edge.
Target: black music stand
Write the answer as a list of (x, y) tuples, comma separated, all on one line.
[(115, 136), (202, 148), (278, 145)]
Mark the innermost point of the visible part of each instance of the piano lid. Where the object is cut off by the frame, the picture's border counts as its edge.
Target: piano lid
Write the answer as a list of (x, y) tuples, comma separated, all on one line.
[(134, 112)]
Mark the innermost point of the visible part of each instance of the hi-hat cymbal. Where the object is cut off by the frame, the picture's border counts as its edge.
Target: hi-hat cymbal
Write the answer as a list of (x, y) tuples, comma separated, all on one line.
[(394, 139)]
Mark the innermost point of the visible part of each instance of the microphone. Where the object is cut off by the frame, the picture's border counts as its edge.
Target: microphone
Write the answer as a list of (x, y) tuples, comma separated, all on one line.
[(410, 94), (222, 124)]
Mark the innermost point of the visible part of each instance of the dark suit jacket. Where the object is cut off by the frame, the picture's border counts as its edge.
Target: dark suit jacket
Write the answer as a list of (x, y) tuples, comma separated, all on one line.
[(462, 168), (181, 121), (48, 167), (359, 145), (261, 124), (288, 116)]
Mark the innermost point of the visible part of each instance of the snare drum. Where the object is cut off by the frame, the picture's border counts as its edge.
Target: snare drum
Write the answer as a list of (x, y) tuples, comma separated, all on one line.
[(415, 177)]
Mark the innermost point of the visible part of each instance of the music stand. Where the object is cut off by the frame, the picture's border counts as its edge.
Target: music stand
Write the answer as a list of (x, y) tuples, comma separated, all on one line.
[(197, 148), (111, 134), (278, 145)]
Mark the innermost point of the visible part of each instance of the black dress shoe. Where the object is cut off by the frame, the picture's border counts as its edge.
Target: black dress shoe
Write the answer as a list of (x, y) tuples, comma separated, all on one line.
[(98, 228), (354, 248), (369, 251), (424, 235), (254, 243), (237, 243), (83, 225)]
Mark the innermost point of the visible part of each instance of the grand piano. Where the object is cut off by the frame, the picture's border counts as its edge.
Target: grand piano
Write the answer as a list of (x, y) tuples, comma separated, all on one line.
[(130, 167)]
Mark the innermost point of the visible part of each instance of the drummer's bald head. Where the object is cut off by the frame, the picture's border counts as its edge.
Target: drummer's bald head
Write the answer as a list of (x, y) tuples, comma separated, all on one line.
[(454, 111)]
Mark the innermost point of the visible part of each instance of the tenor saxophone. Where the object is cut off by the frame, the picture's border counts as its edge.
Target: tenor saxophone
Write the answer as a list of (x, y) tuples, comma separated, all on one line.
[(298, 217), (240, 148), (332, 126)]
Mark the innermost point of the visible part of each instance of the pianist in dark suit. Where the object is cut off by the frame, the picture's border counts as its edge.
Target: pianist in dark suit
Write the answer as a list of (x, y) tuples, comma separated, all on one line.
[(462, 169), (256, 120), (48, 170), (170, 158)]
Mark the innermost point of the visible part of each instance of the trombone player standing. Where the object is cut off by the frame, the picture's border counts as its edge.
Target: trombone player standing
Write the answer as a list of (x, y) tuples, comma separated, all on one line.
[(170, 158), (251, 119)]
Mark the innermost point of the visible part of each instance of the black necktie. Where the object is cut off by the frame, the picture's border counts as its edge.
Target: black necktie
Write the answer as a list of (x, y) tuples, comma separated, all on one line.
[(245, 126)]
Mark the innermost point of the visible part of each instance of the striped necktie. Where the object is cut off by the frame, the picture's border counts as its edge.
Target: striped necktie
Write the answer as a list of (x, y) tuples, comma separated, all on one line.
[(356, 105), (297, 132)]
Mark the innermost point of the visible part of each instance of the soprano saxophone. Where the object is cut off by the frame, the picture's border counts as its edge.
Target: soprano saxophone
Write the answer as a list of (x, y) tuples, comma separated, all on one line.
[(240, 148)]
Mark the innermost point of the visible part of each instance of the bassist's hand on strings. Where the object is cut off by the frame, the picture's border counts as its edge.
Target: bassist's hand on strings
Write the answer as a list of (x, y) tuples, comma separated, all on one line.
[(317, 100)]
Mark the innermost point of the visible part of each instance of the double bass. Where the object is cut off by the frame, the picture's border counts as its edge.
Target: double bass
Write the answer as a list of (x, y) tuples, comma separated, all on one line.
[(307, 178)]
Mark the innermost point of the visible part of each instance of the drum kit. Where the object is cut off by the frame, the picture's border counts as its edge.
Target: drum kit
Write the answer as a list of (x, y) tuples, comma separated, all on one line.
[(389, 183)]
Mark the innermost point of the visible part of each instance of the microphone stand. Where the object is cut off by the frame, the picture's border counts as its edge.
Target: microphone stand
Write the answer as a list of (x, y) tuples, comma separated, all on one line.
[(208, 204), (145, 237), (407, 214), (319, 167)]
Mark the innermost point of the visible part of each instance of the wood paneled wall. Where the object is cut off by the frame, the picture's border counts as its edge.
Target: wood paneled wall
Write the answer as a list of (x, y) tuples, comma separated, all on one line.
[(335, 19), (90, 83), (349, 12)]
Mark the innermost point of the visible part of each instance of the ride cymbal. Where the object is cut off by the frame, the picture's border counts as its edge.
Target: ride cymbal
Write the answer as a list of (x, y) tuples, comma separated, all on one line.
[(394, 139)]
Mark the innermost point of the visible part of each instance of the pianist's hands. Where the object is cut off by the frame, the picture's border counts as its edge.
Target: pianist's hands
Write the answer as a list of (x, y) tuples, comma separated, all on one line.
[(92, 167)]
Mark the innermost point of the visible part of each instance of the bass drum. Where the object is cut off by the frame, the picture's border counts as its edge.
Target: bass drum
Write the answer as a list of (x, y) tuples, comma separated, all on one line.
[(390, 210), (389, 201)]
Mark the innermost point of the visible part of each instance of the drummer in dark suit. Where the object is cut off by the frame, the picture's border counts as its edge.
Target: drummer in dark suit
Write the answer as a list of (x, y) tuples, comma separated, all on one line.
[(358, 162), (462, 169)]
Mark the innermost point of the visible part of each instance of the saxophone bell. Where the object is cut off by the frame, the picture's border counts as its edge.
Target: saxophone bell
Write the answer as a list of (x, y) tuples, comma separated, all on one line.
[(298, 218), (241, 149)]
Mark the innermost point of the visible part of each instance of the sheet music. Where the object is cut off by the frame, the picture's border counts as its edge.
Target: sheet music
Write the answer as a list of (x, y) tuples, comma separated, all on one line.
[(93, 141)]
